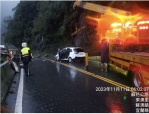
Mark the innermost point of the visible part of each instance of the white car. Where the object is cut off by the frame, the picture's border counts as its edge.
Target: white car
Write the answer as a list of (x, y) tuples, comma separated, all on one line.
[(70, 54)]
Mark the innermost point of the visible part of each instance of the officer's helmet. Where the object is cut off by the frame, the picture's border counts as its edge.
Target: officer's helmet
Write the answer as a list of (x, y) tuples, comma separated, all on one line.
[(24, 44)]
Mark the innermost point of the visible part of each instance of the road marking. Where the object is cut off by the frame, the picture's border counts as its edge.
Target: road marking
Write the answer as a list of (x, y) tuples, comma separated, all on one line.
[(127, 88), (18, 106)]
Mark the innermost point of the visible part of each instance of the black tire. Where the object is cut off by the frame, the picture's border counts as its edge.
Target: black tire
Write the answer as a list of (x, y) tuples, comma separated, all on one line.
[(137, 78)]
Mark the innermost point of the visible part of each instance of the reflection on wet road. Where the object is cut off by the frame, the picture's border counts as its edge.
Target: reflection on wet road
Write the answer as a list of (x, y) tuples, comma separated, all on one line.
[(56, 88), (94, 67)]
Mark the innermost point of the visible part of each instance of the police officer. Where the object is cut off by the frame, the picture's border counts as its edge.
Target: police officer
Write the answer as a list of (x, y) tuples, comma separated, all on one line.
[(26, 57)]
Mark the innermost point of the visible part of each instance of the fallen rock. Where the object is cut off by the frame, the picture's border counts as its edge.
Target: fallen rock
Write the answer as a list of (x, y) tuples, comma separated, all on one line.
[(11, 91)]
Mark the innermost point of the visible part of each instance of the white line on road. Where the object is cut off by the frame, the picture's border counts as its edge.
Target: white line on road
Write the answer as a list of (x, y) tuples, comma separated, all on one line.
[(18, 106)]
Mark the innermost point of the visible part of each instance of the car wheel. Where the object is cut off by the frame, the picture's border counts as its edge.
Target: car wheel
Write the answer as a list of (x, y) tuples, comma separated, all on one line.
[(137, 78), (69, 59)]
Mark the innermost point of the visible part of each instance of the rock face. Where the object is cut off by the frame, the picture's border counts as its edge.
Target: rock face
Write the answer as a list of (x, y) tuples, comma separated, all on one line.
[(88, 37)]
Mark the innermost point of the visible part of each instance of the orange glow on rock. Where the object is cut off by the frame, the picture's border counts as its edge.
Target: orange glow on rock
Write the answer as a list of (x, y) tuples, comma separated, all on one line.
[(110, 23)]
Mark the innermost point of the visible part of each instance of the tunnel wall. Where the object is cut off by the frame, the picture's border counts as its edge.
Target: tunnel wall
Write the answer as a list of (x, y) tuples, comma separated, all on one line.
[(7, 75)]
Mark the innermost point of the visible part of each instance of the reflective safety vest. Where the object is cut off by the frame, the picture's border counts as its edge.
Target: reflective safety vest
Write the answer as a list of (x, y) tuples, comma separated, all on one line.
[(26, 52)]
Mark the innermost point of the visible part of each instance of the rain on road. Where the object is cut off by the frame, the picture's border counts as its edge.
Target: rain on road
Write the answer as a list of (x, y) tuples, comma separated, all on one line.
[(58, 87)]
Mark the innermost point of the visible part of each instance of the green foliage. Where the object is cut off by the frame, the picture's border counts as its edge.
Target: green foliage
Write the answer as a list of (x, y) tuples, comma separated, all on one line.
[(21, 24), (52, 21)]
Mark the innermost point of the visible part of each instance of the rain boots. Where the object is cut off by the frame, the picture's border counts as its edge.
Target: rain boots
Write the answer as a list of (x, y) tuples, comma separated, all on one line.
[(104, 67)]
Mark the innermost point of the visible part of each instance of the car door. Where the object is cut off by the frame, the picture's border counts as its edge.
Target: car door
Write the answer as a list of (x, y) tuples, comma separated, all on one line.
[(62, 53), (67, 52)]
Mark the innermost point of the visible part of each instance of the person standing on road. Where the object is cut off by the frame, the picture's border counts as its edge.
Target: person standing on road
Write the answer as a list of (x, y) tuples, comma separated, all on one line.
[(104, 55), (59, 54), (26, 57)]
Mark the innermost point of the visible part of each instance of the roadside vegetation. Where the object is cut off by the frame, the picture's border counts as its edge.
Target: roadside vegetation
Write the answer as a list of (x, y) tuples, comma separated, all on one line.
[(48, 25)]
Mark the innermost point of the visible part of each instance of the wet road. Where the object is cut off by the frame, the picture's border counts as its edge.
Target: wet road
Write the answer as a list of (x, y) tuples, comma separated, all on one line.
[(56, 87)]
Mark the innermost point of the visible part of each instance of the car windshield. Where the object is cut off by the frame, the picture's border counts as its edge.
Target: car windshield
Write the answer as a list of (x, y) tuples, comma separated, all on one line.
[(78, 50)]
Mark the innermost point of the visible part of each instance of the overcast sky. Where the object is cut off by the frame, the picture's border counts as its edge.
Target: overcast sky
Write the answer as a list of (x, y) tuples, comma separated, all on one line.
[(6, 8), (5, 11)]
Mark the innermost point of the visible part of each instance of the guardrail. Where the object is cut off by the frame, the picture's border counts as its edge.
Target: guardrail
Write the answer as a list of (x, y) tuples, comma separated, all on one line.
[(3, 63)]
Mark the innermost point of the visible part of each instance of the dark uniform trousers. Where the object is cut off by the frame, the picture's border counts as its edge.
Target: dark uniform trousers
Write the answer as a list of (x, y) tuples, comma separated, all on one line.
[(26, 57), (26, 61)]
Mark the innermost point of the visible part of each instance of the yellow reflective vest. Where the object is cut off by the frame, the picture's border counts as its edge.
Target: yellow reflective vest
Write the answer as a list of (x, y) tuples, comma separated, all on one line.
[(25, 52)]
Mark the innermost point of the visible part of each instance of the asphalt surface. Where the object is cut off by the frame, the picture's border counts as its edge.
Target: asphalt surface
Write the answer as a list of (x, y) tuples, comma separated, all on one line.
[(55, 88)]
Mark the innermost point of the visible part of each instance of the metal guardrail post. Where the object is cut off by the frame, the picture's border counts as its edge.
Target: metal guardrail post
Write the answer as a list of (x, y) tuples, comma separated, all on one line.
[(86, 61)]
